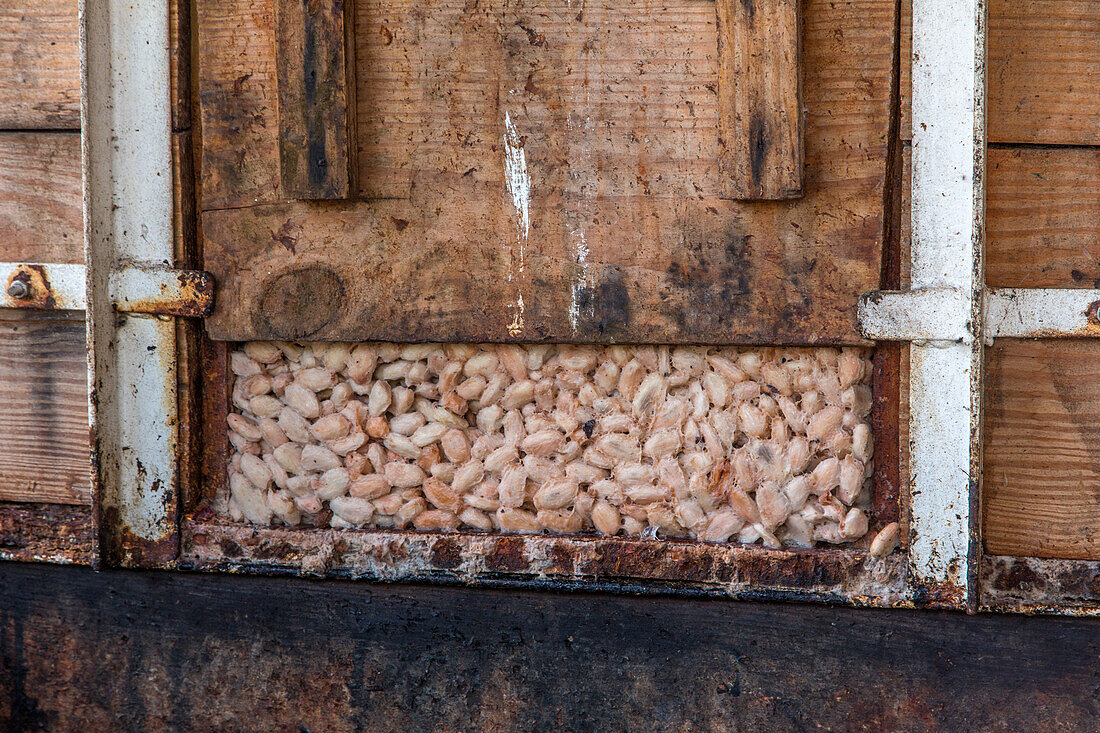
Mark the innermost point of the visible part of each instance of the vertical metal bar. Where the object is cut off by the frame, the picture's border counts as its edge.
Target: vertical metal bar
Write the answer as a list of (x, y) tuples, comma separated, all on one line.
[(948, 234), (125, 130)]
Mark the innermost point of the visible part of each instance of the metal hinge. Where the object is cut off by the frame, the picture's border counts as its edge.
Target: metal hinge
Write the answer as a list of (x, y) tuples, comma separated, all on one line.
[(160, 291)]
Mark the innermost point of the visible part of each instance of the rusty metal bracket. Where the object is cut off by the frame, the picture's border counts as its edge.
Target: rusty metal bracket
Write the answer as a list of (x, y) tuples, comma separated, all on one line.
[(157, 291)]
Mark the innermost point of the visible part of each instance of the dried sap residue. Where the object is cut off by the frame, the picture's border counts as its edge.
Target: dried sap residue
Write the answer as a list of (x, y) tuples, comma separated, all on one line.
[(715, 444)]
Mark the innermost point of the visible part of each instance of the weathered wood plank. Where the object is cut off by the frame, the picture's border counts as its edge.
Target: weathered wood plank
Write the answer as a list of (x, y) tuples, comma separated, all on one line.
[(550, 190), (760, 143), (44, 421), (237, 102), (40, 201), (179, 44), (1043, 70), (345, 656), (40, 63), (1043, 218), (313, 105), (1041, 484)]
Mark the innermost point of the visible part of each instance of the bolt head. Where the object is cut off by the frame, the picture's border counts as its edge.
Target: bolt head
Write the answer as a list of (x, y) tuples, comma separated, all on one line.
[(18, 289)]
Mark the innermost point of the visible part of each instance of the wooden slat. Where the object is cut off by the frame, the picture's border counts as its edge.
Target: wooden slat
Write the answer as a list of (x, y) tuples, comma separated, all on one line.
[(1041, 484), (551, 189), (1043, 71), (1043, 218), (760, 144), (154, 652), (40, 200), (44, 420), (179, 44), (313, 105), (39, 65)]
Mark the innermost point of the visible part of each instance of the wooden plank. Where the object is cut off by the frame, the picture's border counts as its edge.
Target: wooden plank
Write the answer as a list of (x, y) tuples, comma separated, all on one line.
[(237, 102), (1043, 218), (41, 219), (40, 82), (179, 42), (549, 190), (1041, 484), (1043, 70), (344, 656), (760, 143), (313, 105), (44, 423)]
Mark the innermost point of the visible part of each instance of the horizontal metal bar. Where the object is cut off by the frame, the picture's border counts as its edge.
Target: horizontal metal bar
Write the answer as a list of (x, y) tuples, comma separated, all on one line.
[(154, 290), (162, 291), (931, 314), (1041, 313), (42, 286)]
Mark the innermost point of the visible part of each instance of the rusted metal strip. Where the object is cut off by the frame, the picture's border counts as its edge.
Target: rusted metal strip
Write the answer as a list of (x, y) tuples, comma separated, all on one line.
[(162, 291), (848, 575), (153, 290), (1041, 585), (128, 211)]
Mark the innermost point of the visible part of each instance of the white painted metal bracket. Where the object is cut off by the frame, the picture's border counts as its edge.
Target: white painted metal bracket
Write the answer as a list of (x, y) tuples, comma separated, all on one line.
[(942, 313), (126, 139)]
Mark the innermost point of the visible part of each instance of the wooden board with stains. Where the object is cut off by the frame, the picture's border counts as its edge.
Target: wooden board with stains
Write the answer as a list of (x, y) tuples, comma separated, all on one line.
[(543, 172), (41, 219), (1041, 484), (44, 450), (39, 65)]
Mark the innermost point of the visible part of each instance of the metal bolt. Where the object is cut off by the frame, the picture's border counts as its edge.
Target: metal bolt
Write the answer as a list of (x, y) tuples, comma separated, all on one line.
[(18, 289)]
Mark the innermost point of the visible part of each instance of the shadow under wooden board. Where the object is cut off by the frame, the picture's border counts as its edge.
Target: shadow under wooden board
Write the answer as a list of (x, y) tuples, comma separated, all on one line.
[(542, 172)]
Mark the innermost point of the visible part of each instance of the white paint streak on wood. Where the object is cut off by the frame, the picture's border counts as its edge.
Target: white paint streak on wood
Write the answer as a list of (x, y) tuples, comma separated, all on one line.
[(518, 183)]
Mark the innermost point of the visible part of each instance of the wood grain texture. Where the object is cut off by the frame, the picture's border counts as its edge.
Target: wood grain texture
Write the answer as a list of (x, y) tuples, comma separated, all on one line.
[(537, 173), (41, 218), (760, 145), (1043, 218), (44, 421), (124, 651), (1041, 484), (39, 65), (313, 104), (179, 46), (1042, 71)]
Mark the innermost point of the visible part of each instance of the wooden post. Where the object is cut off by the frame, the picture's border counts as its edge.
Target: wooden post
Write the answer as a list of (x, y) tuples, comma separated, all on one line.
[(760, 128), (313, 99)]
